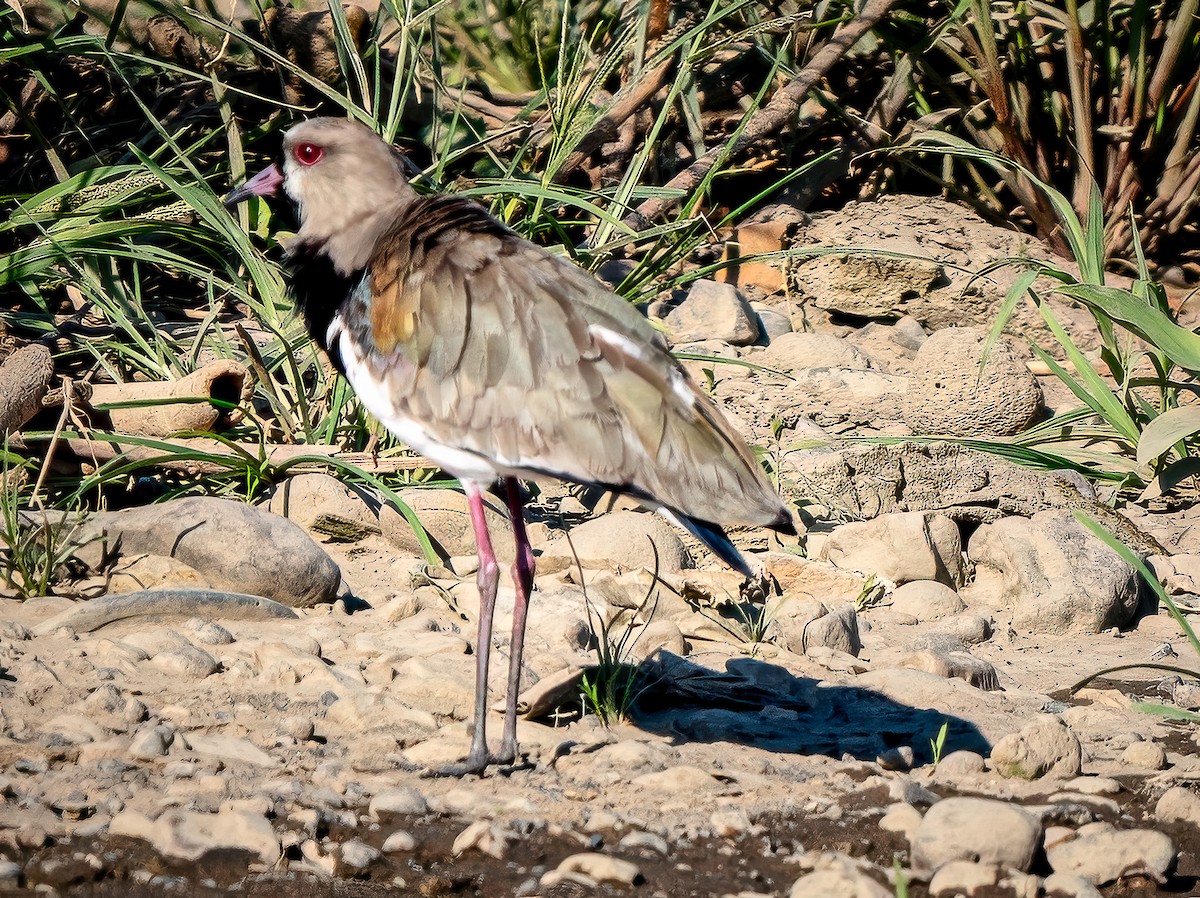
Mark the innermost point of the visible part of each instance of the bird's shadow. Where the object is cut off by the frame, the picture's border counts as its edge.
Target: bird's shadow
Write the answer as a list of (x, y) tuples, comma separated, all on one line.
[(756, 703)]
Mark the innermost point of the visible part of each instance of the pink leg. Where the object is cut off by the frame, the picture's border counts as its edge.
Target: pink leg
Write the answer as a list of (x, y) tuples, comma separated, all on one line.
[(522, 574), (487, 579)]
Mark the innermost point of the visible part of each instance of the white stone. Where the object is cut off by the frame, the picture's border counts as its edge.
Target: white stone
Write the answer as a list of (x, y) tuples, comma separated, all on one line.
[(1045, 748), (900, 547), (1103, 856), (976, 829)]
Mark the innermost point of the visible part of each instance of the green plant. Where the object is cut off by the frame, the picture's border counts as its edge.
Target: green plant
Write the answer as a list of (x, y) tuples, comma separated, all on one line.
[(1130, 392), (901, 879), (1163, 596), (39, 548), (610, 687), (871, 594), (937, 744)]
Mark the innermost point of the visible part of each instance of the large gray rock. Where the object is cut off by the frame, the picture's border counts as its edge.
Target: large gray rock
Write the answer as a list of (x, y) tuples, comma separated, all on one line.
[(976, 829), (236, 547), (1043, 749), (900, 547), (1054, 574), (949, 393)]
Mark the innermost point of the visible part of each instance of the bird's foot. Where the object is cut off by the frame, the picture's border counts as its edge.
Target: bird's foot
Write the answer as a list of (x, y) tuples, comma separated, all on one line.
[(475, 764), (505, 762)]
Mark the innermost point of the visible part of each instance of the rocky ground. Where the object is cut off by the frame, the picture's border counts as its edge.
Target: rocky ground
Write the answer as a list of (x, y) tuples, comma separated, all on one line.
[(247, 703)]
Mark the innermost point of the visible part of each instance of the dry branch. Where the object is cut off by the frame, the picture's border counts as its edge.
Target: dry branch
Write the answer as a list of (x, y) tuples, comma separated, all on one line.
[(770, 119), (24, 381)]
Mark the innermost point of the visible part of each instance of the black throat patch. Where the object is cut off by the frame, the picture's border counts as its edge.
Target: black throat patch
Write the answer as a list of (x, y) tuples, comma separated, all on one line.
[(320, 291)]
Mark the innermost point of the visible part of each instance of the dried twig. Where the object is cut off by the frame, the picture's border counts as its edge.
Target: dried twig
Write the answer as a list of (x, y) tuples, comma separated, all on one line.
[(771, 118)]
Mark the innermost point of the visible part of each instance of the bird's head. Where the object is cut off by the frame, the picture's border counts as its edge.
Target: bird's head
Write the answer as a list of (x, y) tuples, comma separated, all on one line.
[(344, 183)]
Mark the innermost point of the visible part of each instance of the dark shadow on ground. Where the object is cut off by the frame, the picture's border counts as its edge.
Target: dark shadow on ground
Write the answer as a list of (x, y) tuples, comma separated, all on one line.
[(756, 703)]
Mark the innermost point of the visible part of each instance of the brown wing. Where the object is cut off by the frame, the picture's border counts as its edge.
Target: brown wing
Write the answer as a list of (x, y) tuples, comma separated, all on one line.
[(498, 348)]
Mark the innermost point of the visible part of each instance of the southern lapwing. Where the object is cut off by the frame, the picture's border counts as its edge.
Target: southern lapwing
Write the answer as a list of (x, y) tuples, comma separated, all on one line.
[(498, 361)]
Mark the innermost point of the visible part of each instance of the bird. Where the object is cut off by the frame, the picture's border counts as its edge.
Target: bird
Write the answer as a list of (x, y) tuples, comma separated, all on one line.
[(499, 361)]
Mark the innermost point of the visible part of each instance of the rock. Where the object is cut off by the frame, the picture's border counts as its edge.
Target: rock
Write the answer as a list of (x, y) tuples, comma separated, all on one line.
[(151, 742), (867, 285), (1068, 885), (1055, 575), (399, 841), (1179, 573), (926, 600), (1178, 804), (189, 835), (900, 547), (656, 636), (832, 397), (949, 393), (155, 572), (683, 779), (444, 515), (397, 803), (892, 346), (896, 758), (767, 231), (186, 662), (356, 856), (838, 876), (713, 311), (602, 868), (73, 729), (1043, 749), (208, 632), (97, 613), (963, 665), (484, 836), (230, 749), (977, 830), (837, 630), (628, 540), (1144, 755), (960, 763), (308, 499), (772, 324), (901, 818), (1101, 854), (968, 629), (234, 546), (802, 350), (10, 875), (644, 841), (963, 878), (730, 823)]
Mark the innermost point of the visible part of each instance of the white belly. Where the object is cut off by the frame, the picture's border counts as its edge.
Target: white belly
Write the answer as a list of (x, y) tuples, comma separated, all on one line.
[(460, 463)]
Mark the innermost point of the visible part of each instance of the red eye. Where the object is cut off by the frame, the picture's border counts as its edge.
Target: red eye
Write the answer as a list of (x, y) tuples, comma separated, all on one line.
[(308, 153)]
